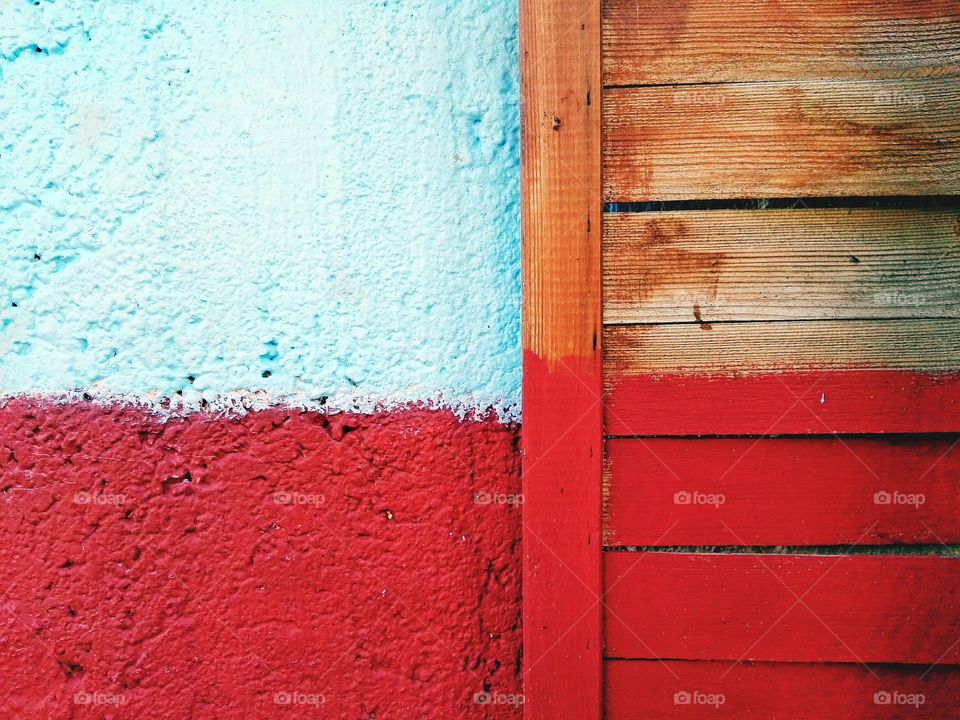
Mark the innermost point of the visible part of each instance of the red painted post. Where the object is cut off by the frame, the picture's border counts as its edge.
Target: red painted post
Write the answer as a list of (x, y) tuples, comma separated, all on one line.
[(562, 387)]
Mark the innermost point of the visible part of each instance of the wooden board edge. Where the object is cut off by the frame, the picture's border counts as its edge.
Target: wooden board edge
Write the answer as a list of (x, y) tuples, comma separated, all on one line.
[(562, 375)]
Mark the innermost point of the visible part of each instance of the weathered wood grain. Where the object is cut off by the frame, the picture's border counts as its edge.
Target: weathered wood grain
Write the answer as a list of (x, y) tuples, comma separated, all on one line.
[(667, 42), (861, 608), (782, 491), (651, 690), (766, 403), (782, 139), (563, 434), (913, 344), (780, 264)]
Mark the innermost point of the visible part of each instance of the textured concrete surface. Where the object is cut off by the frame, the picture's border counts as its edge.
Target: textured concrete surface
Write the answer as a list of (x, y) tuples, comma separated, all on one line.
[(312, 201), (366, 566), (259, 359)]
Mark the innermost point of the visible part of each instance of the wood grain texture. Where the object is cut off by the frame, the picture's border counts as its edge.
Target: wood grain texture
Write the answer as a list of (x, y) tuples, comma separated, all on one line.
[(780, 264), (650, 690), (562, 380), (560, 167), (790, 608), (668, 42), (925, 345), (782, 139), (782, 491), (814, 402)]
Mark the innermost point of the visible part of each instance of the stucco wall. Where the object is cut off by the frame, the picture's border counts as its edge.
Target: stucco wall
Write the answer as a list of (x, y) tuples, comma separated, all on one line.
[(224, 225), (322, 190)]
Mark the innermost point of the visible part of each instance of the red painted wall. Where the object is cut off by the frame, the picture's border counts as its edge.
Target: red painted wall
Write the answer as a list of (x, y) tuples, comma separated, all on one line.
[(203, 567)]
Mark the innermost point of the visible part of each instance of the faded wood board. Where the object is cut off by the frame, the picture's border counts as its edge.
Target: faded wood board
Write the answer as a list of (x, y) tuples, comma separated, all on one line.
[(902, 609), (652, 690), (923, 345), (667, 42), (718, 265), (814, 402), (562, 376), (782, 491), (782, 139)]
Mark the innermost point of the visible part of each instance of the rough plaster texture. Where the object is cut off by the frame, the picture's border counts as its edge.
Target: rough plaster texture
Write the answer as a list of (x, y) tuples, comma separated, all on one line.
[(311, 202), (258, 205), (154, 561)]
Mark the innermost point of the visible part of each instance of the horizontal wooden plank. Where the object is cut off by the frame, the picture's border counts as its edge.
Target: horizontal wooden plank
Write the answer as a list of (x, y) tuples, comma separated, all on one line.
[(780, 264), (651, 690), (929, 345), (790, 139), (782, 491), (741, 40), (745, 607), (812, 402)]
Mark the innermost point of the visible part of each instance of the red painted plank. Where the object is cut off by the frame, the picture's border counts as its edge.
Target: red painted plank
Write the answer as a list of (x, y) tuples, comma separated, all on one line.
[(805, 402), (650, 690), (730, 607), (561, 539), (783, 491)]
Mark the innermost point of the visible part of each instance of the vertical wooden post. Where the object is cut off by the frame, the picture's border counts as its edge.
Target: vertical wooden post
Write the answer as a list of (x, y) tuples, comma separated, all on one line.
[(562, 386)]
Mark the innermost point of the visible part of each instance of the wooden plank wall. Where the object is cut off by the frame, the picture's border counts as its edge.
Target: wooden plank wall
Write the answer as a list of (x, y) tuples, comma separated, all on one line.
[(781, 308)]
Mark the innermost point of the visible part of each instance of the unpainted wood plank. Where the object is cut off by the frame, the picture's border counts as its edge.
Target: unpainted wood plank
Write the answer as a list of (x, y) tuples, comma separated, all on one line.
[(652, 690), (718, 265), (812, 402), (563, 434), (666, 42), (913, 344), (782, 139), (790, 608), (782, 491)]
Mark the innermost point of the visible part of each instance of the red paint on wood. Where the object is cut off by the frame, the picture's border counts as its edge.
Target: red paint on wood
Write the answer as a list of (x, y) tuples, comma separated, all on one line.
[(563, 448), (730, 607), (808, 402), (783, 491), (650, 690), (179, 580)]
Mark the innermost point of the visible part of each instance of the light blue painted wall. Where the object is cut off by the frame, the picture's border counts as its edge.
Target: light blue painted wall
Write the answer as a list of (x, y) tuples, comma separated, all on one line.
[(321, 191)]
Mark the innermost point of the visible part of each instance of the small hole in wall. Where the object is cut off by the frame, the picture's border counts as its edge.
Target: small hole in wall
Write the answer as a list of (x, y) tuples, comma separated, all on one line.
[(266, 374)]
